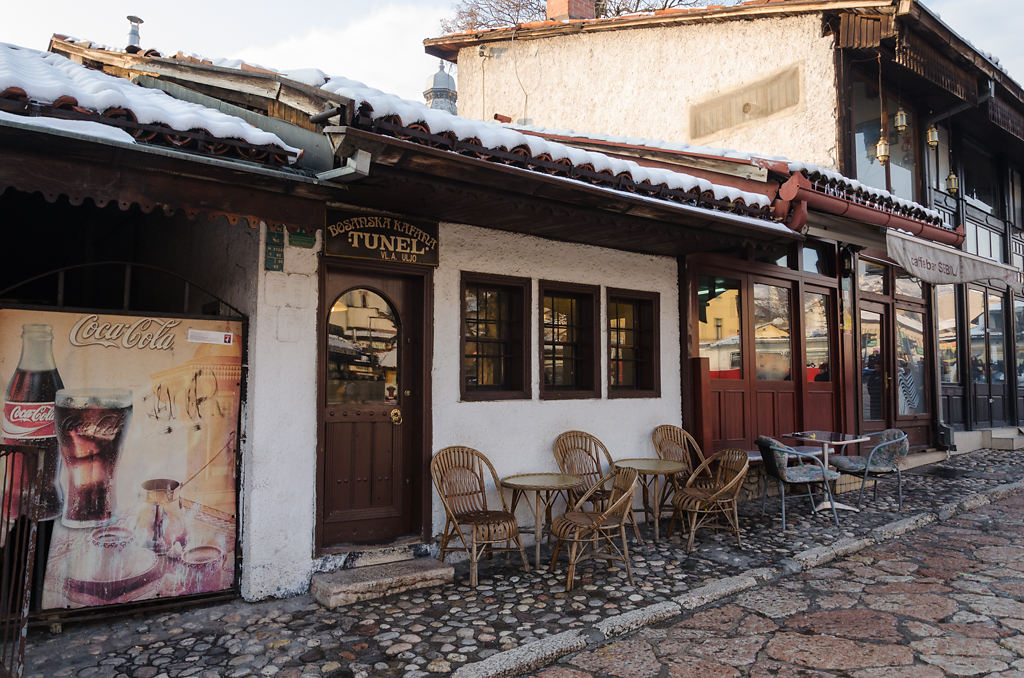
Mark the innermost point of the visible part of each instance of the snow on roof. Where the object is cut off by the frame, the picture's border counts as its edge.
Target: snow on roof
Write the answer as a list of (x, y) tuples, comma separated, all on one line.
[(46, 77), (83, 127), (494, 135), (854, 186)]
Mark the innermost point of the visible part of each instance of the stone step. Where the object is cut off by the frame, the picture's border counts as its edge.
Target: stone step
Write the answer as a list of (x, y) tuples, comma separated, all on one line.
[(385, 554), (1007, 443), (351, 585)]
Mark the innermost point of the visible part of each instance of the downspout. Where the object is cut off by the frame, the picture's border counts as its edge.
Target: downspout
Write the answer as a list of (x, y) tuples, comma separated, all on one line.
[(800, 193)]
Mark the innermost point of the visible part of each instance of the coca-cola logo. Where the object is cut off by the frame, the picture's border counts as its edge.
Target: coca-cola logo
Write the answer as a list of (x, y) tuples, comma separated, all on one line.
[(145, 333), (28, 421), (33, 414)]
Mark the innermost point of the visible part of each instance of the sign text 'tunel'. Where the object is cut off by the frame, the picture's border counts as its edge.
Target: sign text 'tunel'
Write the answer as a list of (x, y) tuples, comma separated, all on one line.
[(380, 238)]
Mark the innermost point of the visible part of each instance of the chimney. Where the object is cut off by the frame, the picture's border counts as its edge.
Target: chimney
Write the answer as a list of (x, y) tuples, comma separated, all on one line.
[(570, 9), (134, 43)]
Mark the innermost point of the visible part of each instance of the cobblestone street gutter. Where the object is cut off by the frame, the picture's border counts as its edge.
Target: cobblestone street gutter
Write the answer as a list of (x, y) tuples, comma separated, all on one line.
[(514, 620), (543, 652)]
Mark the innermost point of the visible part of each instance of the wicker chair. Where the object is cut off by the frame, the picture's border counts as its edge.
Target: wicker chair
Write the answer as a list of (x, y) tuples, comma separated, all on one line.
[(675, 444), (885, 458), (586, 531), (581, 454), (709, 495), (458, 474)]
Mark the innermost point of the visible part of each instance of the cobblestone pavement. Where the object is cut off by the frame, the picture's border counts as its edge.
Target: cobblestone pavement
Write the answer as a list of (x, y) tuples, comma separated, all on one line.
[(435, 631), (945, 601)]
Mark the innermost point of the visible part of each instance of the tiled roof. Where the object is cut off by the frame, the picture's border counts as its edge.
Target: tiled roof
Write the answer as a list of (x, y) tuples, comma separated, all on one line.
[(34, 83)]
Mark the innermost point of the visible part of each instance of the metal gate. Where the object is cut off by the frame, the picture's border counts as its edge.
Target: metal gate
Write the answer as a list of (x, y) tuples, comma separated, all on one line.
[(21, 474)]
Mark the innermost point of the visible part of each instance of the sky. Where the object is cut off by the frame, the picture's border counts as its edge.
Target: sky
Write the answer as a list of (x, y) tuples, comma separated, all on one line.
[(379, 42)]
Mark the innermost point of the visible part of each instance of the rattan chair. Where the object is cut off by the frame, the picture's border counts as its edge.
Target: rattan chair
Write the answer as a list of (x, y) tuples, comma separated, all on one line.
[(711, 495), (676, 444), (459, 474), (586, 531), (581, 454)]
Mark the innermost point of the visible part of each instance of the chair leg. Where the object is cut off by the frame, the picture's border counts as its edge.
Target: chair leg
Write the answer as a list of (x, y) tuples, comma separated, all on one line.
[(554, 555), (782, 494), (692, 516), (625, 554), (764, 495), (863, 483), (573, 548), (899, 488), (831, 500), (736, 522), (446, 537), (473, 557), (522, 552)]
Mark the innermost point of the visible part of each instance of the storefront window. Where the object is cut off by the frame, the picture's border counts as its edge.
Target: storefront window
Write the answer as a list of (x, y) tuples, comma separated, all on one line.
[(976, 313), (910, 363), (362, 349), (909, 286), (718, 307), (949, 348), (818, 364), (871, 277), (872, 366), (997, 365), (1018, 313), (773, 343)]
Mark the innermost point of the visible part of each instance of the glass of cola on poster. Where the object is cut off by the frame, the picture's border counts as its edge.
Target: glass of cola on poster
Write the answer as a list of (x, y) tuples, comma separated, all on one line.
[(91, 425)]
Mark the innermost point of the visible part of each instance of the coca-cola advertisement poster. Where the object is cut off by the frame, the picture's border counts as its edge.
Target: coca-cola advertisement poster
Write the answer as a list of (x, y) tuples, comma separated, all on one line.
[(137, 417)]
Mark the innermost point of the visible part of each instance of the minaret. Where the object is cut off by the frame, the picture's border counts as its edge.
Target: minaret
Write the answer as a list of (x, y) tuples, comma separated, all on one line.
[(440, 92)]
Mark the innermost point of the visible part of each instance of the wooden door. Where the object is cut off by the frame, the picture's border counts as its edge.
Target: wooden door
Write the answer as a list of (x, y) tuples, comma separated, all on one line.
[(772, 349), (875, 380), (987, 362), (372, 384)]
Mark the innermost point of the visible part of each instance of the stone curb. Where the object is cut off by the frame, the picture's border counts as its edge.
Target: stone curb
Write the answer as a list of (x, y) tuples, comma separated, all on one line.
[(542, 652), (525, 657)]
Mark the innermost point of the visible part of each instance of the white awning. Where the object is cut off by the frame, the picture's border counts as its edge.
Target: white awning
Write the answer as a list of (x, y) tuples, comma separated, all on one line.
[(936, 263)]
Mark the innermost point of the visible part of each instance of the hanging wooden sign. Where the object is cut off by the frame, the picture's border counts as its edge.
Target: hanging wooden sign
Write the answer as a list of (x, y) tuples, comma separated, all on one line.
[(380, 238)]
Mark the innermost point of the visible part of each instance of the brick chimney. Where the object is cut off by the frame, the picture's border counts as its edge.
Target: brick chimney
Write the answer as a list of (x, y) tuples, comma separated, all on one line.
[(570, 9)]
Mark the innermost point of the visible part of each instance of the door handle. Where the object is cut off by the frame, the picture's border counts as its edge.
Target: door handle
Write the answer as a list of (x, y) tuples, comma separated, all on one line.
[(396, 417)]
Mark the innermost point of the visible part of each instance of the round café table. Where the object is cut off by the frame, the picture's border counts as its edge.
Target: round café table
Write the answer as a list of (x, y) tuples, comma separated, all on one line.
[(546, 488), (650, 471)]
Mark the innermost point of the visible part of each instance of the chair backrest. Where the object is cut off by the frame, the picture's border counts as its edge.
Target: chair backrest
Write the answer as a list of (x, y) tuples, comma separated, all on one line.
[(580, 454), (676, 444), (774, 456), (891, 447), (733, 465), (623, 488), (458, 475)]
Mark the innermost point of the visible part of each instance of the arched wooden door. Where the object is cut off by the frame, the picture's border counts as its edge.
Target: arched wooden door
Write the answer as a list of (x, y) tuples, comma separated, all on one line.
[(371, 484)]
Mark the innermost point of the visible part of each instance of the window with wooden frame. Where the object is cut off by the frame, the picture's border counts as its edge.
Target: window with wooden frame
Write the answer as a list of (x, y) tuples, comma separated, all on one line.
[(495, 337), (633, 369), (874, 115), (569, 340)]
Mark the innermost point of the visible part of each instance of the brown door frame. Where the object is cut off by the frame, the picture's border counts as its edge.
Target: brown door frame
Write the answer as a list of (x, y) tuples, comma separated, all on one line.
[(836, 363), (885, 338), (425, 274)]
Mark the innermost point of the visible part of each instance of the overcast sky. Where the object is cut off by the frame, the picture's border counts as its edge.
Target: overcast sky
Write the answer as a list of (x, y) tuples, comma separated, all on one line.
[(377, 42)]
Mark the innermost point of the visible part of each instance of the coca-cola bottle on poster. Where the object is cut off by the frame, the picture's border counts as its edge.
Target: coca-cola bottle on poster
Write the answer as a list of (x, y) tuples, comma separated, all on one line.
[(29, 409)]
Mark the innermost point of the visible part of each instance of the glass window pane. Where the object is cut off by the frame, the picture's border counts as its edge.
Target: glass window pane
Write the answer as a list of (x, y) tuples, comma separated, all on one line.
[(909, 286), (1018, 313), (903, 153), (871, 277), (910, 363), (362, 349), (949, 349), (872, 366), (997, 246), (778, 255), (976, 314), (971, 242), (773, 343), (819, 258), (1016, 198), (997, 367), (816, 324), (938, 179), (866, 132), (984, 243), (718, 306), (981, 180)]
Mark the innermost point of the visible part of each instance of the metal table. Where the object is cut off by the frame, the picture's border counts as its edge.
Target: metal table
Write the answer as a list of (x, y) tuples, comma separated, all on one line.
[(650, 472), (829, 440), (546, 488)]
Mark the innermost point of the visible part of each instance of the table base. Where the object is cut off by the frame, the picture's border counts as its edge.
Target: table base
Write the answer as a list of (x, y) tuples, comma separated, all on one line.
[(839, 506)]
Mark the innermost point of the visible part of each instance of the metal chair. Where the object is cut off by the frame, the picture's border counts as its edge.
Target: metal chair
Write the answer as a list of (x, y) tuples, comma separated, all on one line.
[(458, 475), (775, 460), (587, 530), (708, 495), (885, 457)]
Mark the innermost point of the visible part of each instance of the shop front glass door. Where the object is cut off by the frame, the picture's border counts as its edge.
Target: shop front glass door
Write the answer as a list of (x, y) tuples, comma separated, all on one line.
[(874, 368)]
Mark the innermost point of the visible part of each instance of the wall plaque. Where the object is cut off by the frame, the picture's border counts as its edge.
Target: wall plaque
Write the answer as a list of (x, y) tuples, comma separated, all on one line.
[(379, 238)]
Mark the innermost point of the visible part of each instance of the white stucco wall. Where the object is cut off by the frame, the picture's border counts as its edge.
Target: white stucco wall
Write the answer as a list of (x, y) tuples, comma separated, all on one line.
[(517, 434), (642, 82), (278, 502)]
